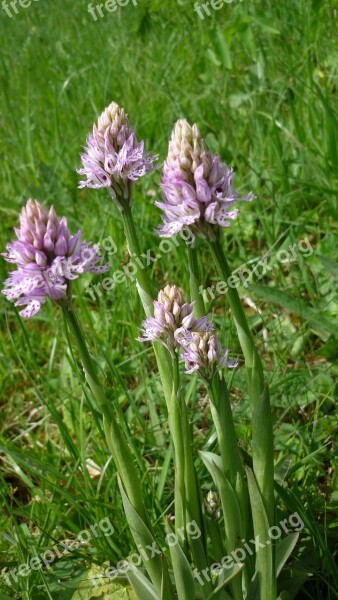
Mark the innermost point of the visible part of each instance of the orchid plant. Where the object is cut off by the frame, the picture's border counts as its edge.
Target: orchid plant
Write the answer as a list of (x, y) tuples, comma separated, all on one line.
[(198, 192)]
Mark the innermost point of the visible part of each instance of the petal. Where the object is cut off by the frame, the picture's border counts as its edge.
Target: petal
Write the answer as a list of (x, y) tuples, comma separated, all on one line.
[(31, 309)]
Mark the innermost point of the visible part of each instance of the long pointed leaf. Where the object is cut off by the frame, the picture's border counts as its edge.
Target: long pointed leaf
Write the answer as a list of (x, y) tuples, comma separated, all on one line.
[(264, 556), (144, 538), (231, 510), (142, 586), (184, 578), (166, 587), (284, 549), (224, 580), (322, 325)]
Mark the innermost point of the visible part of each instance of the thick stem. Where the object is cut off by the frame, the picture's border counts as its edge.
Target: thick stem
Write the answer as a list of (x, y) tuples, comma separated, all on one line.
[(116, 441), (193, 496), (218, 393), (227, 441), (225, 429)]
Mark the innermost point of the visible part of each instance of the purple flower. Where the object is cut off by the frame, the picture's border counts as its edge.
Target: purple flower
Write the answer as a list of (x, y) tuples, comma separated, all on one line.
[(202, 352), (47, 258), (171, 316), (113, 157), (197, 188)]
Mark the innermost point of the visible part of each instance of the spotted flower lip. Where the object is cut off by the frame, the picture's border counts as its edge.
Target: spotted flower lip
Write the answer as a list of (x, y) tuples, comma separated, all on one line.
[(113, 157), (171, 316), (175, 326), (197, 187), (202, 352), (47, 258)]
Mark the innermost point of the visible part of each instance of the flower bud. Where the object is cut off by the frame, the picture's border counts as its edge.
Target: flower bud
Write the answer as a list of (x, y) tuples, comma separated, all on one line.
[(171, 316)]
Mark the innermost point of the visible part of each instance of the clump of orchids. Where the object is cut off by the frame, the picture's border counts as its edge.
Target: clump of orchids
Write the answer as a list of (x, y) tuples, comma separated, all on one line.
[(198, 192)]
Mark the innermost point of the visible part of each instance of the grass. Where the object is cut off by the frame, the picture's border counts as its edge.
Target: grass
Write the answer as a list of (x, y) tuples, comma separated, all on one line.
[(260, 78)]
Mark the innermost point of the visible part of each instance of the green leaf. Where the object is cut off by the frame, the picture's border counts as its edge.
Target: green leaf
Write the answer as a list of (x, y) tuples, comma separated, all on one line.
[(184, 578), (142, 586), (323, 326), (213, 58), (253, 589), (264, 555), (223, 49), (95, 586), (265, 25), (262, 450), (292, 581), (224, 580), (163, 476), (331, 122), (166, 587), (330, 265), (231, 509), (284, 550), (143, 537)]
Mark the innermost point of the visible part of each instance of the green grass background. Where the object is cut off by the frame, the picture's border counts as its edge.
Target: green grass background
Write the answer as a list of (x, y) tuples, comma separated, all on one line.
[(260, 79)]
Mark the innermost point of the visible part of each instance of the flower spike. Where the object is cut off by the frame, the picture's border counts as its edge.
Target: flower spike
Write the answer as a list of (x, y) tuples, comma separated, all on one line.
[(202, 352), (171, 316), (113, 157), (47, 257), (197, 188)]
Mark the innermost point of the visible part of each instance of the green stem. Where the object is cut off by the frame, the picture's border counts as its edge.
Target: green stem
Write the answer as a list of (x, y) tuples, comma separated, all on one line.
[(146, 294), (175, 413), (252, 359), (218, 393), (199, 308), (227, 441), (225, 429), (262, 430), (175, 426), (262, 461), (221, 408), (220, 402), (194, 498), (116, 441), (145, 287)]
